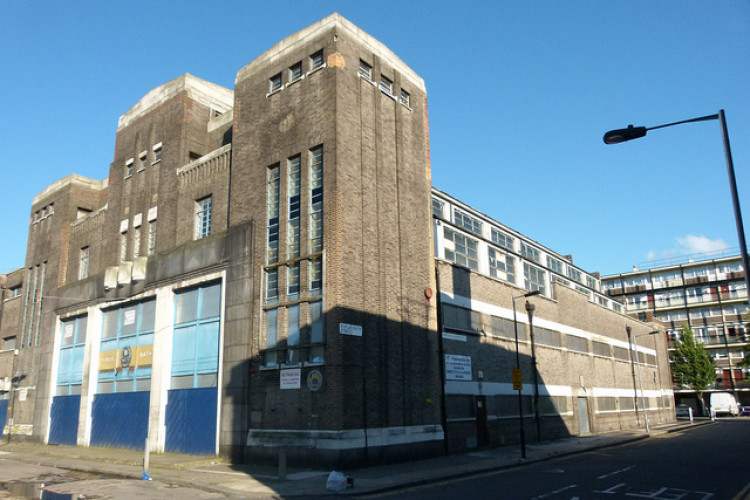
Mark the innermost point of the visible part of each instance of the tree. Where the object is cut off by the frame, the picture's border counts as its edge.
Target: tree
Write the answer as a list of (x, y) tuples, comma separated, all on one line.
[(691, 364)]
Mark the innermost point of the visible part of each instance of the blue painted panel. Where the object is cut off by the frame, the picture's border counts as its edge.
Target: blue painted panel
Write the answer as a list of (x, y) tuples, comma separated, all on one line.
[(120, 420), (3, 415), (64, 420), (191, 421)]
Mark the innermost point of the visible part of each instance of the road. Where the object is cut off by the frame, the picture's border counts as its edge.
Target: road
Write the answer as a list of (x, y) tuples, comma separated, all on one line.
[(707, 463)]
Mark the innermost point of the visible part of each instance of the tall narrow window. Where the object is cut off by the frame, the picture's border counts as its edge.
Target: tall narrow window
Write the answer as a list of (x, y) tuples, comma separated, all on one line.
[(274, 83), (316, 332), (293, 242), (295, 72), (386, 85), (316, 60), (316, 275), (272, 211), (365, 70), (157, 153), (292, 335), (83, 264), (292, 279), (272, 317), (128, 168), (272, 284), (123, 246), (316, 199), (151, 237), (136, 242), (404, 98), (203, 218)]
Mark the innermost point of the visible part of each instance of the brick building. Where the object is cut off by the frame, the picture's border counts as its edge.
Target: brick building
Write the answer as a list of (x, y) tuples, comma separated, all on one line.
[(258, 271)]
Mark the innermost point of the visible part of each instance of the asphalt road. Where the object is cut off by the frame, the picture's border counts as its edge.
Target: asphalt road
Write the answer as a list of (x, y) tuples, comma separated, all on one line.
[(709, 462)]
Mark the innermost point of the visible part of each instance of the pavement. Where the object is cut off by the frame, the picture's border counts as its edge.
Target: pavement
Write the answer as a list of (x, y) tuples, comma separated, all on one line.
[(214, 477)]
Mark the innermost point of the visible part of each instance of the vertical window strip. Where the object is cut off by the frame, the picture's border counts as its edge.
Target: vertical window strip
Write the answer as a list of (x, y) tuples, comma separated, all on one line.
[(83, 266), (136, 242), (41, 301), (292, 279), (316, 199), (33, 306), (293, 233), (316, 275), (151, 237), (292, 336), (272, 209), (26, 306), (203, 217), (271, 336), (272, 284), (123, 246)]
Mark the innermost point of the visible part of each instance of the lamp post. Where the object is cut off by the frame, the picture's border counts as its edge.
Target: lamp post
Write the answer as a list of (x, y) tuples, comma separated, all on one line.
[(632, 370), (640, 381), (627, 134), (518, 368), (530, 313)]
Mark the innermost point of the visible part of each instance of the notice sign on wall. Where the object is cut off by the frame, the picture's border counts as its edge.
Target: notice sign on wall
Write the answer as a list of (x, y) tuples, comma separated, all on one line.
[(457, 367), (290, 379), (349, 329)]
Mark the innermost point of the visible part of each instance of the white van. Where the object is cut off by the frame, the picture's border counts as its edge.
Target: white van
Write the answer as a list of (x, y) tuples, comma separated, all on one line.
[(724, 402)]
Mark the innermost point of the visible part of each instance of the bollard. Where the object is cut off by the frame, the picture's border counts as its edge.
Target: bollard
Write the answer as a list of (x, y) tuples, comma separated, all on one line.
[(146, 457), (690, 413)]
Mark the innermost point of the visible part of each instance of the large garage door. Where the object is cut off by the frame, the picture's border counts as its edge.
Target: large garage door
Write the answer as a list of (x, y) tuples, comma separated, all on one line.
[(191, 421), (64, 420), (120, 420)]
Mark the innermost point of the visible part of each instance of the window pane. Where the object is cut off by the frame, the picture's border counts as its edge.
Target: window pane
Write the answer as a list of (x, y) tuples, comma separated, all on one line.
[(208, 348), (129, 320), (183, 350), (187, 306), (148, 315), (211, 301), (293, 321), (316, 320), (110, 323)]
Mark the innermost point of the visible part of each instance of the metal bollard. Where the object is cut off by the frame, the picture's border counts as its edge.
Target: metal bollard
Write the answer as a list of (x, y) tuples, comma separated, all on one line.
[(146, 457), (690, 413)]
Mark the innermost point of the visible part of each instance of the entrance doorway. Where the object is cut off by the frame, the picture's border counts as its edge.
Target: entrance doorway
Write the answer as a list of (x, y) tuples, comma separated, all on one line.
[(480, 410), (583, 416)]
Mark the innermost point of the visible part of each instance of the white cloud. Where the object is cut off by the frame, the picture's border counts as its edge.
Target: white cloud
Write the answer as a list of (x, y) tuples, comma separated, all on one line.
[(700, 244)]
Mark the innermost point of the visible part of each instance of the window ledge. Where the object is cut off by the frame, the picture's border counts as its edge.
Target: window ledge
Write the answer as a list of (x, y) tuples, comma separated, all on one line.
[(325, 65), (368, 80), (275, 92), (388, 94), (294, 81)]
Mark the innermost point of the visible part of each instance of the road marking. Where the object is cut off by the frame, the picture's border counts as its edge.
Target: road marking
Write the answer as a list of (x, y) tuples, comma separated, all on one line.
[(611, 491), (555, 492), (615, 472)]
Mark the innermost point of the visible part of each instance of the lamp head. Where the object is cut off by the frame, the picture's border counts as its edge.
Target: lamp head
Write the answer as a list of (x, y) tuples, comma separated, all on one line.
[(624, 134)]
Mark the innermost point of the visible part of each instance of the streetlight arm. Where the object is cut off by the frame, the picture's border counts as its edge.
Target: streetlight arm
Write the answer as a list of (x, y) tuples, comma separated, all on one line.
[(630, 133), (701, 119)]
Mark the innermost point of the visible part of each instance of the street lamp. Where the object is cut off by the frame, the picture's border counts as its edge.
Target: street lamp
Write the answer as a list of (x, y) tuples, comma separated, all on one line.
[(518, 370), (627, 134), (640, 381), (530, 313)]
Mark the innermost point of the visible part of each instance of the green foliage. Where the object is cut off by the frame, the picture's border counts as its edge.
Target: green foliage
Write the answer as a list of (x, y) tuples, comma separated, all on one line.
[(691, 364)]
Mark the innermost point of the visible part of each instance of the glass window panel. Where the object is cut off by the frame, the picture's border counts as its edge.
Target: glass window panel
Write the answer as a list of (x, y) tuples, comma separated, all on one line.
[(208, 347), (83, 324), (187, 306), (211, 301), (129, 320), (109, 321), (207, 380), (183, 350), (293, 329), (316, 320), (105, 387), (148, 315), (68, 332), (143, 384), (183, 382)]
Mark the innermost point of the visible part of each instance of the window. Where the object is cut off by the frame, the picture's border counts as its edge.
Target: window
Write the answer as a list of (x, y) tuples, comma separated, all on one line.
[(202, 218), (554, 264), (157, 153), (316, 60), (272, 284), (316, 199), (534, 278), (460, 318), (128, 168), (274, 83), (502, 239), (467, 222), (600, 348), (437, 207), (543, 336), (574, 274), (72, 347), (530, 253), (15, 291), (316, 275), (292, 279), (293, 193), (123, 246), (151, 237), (292, 335), (591, 282), (142, 161), (195, 345), (272, 319), (386, 85), (365, 70), (316, 332), (295, 72), (577, 344), (83, 263), (126, 348), (404, 98), (272, 215), (460, 249), (506, 328), (51, 209), (136, 242), (501, 265)]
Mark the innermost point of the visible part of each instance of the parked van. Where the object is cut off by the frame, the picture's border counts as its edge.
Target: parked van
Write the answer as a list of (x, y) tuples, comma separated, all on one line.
[(724, 402)]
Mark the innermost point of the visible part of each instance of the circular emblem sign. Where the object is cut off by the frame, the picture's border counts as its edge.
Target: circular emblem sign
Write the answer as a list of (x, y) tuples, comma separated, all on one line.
[(314, 380)]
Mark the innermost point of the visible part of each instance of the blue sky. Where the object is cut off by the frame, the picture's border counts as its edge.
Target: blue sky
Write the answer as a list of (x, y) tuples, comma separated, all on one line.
[(520, 94)]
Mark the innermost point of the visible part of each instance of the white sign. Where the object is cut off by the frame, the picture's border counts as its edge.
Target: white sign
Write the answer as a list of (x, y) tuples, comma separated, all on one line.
[(349, 329), (129, 318), (314, 380), (457, 367), (290, 379), (69, 329)]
